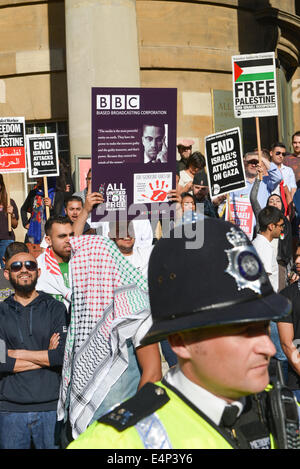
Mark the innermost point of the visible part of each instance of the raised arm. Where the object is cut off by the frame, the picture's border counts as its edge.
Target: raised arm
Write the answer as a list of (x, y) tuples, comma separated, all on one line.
[(91, 200), (286, 335), (150, 363)]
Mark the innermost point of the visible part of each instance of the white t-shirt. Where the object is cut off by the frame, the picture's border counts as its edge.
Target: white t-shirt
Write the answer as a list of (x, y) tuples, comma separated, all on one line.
[(288, 177), (140, 260), (267, 254)]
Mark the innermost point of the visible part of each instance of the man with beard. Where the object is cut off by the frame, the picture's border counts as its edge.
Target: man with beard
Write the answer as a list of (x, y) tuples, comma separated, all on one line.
[(33, 328), (55, 278)]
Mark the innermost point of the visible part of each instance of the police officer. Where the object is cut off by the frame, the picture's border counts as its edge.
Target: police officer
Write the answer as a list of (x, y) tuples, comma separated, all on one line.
[(214, 304)]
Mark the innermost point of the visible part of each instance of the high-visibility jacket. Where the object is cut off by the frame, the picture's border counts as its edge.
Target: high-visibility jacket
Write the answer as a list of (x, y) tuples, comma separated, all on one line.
[(173, 424)]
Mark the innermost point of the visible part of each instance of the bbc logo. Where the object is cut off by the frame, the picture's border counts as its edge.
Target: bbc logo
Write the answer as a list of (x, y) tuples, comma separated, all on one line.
[(118, 101)]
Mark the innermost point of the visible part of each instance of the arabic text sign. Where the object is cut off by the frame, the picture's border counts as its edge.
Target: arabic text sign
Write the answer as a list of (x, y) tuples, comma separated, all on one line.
[(42, 155), (225, 167), (254, 85), (242, 214), (12, 145)]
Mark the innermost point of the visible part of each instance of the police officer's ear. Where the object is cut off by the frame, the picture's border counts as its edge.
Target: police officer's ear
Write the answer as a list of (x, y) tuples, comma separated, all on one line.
[(180, 345)]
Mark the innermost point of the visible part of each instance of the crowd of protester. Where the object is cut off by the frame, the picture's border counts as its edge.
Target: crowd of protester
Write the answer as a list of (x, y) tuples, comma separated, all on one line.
[(62, 318)]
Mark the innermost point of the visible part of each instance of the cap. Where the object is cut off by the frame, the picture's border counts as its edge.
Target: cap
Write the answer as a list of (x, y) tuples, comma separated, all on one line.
[(185, 142), (223, 282), (200, 178)]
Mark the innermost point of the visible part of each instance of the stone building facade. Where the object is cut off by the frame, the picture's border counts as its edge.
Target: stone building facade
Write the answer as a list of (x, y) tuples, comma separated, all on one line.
[(52, 52)]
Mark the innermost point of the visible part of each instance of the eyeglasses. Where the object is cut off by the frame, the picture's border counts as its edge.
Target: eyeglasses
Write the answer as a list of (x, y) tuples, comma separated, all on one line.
[(281, 225), (253, 162), (277, 153), (17, 266)]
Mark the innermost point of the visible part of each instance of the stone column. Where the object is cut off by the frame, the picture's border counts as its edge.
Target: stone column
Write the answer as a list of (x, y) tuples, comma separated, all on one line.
[(102, 50)]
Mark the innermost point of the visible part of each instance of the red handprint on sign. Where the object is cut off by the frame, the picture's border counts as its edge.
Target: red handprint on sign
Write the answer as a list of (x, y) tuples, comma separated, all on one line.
[(159, 193)]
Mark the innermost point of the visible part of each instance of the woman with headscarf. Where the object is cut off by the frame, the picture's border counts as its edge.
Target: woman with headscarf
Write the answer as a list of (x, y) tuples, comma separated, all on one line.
[(7, 207)]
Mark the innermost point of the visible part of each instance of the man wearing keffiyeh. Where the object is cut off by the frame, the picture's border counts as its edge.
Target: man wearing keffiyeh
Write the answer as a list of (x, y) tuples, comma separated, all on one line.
[(110, 306), (55, 277)]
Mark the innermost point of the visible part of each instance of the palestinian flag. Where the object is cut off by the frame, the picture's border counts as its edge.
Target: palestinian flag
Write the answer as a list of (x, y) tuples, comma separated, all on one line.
[(254, 70)]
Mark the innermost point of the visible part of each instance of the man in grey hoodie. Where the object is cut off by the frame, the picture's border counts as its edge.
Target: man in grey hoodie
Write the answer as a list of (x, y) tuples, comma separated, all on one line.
[(33, 328)]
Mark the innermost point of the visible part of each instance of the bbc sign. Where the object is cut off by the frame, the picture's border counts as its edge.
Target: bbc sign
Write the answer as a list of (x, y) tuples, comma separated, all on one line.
[(118, 101)]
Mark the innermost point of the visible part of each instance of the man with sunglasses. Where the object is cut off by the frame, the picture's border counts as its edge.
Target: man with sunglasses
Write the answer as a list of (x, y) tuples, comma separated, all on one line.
[(33, 327), (278, 153)]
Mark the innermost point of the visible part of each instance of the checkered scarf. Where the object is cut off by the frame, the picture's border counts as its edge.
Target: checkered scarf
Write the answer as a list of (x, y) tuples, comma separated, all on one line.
[(109, 303), (51, 280)]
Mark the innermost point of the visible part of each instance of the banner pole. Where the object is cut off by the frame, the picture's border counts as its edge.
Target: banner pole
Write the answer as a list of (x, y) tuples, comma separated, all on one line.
[(229, 210), (8, 203), (46, 195), (258, 144)]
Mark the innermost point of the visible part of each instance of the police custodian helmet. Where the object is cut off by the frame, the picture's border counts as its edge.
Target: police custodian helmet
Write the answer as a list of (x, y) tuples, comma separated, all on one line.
[(222, 282)]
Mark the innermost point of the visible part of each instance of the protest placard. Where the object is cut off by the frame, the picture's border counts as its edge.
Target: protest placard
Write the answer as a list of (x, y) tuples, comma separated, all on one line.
[(12, 150), (12, 145), (42, 155), (224, 163), (254, 85), (42, 158), (133, 149)]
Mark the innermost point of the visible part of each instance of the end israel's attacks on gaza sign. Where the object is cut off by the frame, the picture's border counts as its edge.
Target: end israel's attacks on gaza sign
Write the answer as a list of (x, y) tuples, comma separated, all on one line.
[(224, 163), (42, 155), (254, 85)]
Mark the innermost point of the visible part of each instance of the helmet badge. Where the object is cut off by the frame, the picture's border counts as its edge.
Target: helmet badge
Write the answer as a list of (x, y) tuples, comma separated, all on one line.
[(244, 263)]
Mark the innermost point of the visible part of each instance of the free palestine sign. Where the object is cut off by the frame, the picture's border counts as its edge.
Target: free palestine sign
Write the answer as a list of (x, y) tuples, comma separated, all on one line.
[(254, 85)]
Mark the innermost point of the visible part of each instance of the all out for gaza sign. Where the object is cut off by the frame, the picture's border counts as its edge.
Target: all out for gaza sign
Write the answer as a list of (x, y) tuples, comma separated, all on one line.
[(254, 85)]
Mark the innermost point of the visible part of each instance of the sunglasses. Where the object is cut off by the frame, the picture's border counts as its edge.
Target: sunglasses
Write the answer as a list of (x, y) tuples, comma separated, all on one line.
[(277, 153), (253, 162), (17, 266)]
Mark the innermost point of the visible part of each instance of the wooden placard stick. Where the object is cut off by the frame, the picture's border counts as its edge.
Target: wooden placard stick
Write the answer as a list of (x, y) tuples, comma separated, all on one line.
[(228, 208), (46, 195), (8, 202), (258, 145)]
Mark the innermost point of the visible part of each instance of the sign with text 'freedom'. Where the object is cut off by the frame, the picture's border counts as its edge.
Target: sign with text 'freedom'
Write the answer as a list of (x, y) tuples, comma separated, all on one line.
[(12, 145), (254, 85)]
